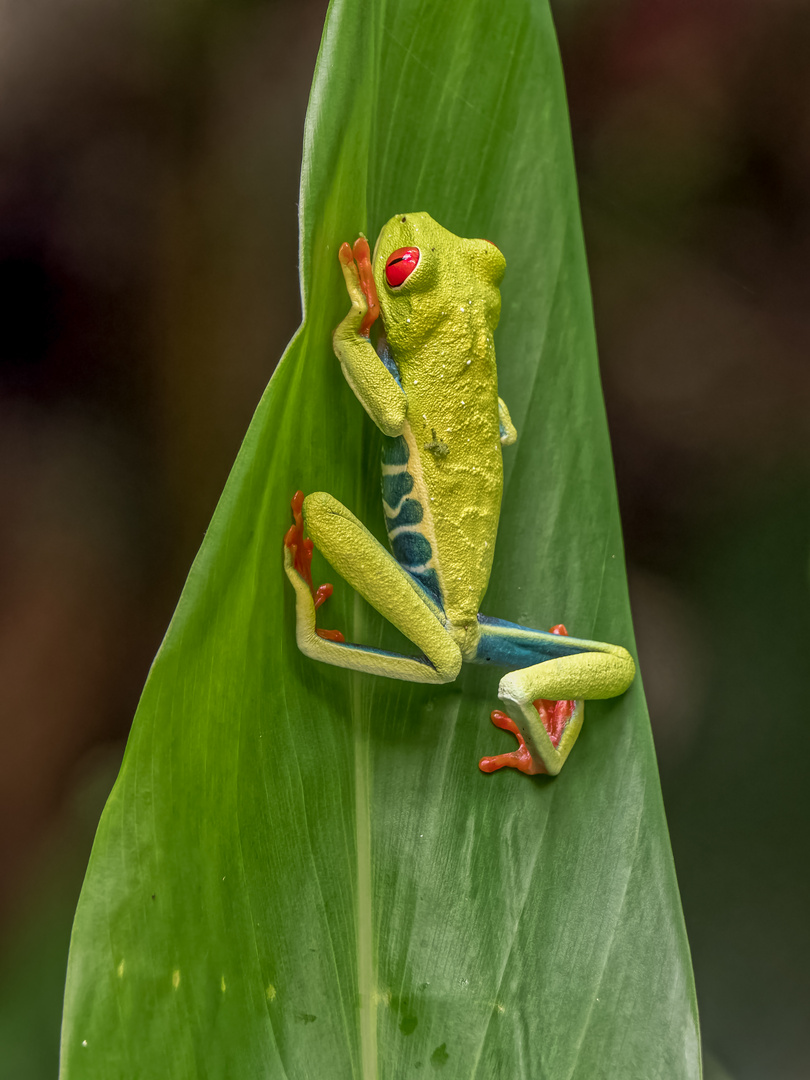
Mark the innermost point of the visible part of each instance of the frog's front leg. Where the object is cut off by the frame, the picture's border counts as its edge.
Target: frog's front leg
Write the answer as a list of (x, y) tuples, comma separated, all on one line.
[(554, 675), (365, 564), (373, 383)]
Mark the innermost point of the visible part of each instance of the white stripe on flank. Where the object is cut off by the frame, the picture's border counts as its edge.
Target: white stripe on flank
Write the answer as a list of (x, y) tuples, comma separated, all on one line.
[(406, 528), (392, 513), (394, 470), (420, 494)]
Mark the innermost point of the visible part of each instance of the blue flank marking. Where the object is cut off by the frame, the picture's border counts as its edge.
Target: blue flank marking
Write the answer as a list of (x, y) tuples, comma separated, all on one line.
[(388, 360), (502, 429), (410, 513), (395, 450), (498, 646), (429, 581), (395, 486), (411, 549)]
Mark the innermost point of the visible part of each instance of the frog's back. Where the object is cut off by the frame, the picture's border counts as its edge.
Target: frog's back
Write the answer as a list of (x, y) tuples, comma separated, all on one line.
[(443, 477)]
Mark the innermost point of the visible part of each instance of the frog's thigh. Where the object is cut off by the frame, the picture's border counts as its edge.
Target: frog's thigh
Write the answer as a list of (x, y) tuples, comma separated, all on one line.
[(603, 672), (365, 564)]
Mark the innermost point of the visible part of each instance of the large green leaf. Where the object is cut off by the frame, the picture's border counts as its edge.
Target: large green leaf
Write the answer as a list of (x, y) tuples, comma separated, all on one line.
[(301, 872)]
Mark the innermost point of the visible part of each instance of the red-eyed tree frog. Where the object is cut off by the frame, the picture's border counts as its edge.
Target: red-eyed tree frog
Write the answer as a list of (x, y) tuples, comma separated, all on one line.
[(431, 387)]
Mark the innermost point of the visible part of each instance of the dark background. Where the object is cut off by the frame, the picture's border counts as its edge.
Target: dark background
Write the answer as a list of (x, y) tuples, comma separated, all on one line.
[(149, 158)]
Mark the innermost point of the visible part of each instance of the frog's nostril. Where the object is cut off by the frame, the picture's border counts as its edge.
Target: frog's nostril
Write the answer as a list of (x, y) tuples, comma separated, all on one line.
[(400, 265)]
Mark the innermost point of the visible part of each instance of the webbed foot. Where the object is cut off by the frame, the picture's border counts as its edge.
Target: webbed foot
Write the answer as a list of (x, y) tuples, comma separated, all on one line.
[(356, 263), (518, 759), (298, 559), (554, 716)]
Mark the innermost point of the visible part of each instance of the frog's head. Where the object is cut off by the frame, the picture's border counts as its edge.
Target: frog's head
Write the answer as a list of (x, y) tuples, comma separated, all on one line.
[(426, 277)]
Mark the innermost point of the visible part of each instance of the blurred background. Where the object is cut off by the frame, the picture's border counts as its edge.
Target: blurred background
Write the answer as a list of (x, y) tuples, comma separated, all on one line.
[(149, 159)]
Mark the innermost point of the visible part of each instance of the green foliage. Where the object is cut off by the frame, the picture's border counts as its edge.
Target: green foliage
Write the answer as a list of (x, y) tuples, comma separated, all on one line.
[(301, 871)]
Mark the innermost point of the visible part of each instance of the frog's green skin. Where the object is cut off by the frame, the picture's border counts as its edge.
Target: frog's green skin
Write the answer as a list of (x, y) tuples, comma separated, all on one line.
[(433, 392)]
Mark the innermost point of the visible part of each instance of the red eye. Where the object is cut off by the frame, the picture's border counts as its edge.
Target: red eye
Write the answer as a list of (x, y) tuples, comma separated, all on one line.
[(401, 264)]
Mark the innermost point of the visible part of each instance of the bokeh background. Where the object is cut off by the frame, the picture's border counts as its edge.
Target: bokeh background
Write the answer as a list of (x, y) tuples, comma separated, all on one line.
[(149, 158)]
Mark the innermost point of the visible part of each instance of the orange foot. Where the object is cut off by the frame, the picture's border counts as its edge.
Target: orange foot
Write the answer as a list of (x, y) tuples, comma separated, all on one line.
[(361, 254), (554, 715), (517, 759), (302, 561)]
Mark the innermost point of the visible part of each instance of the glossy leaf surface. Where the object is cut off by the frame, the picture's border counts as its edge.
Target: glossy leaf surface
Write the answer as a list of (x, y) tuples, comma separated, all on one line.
[(302, 872)]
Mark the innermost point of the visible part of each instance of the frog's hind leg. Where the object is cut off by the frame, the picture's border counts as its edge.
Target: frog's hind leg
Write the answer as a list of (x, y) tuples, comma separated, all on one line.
[(554, 675), (365, 564)]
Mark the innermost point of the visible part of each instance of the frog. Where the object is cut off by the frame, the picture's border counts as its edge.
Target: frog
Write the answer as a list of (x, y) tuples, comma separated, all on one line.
[(430, 385)]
